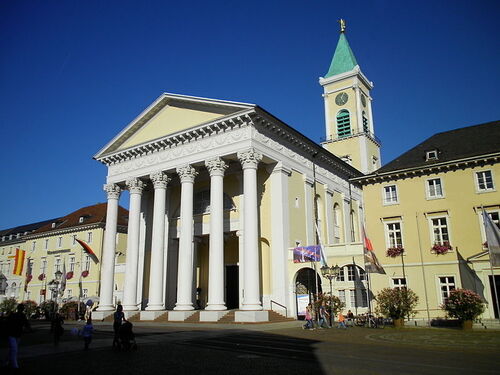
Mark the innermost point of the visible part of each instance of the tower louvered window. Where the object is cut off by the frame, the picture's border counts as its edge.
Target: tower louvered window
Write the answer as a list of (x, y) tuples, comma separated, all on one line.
[(343, 123)]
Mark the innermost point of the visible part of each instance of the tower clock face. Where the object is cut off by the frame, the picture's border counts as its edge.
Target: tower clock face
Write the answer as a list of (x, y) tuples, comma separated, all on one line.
[(341, 98), (363, 100)]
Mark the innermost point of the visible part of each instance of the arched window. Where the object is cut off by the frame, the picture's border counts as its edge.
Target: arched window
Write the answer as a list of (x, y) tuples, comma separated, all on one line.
[(343, 123), (336, 222), (319, 216)]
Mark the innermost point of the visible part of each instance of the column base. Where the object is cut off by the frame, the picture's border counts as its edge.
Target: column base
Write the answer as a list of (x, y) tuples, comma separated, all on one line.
[(130, 308), (216, 307), (179, 316), (212, 316), (184, 307), (105, 308), (101, 315), (151, 315), (251, 316), (251, 307), (158, 307)]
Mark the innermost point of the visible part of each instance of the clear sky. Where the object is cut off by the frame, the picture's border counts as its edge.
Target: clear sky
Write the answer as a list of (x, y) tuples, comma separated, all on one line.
[(74, 73)]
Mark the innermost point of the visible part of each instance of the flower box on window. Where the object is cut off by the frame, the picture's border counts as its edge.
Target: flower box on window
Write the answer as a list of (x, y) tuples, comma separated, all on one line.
[(441, 249), (394, 252), (29, 278), (41, 276), (85, 273), (69, 275)]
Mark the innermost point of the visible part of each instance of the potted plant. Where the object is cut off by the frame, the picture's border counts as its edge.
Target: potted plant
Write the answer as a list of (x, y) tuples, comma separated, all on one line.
[(465, 305), (69, 275), (441, 249), (396, 303), (85, 273), (41, 276), (394, 252)]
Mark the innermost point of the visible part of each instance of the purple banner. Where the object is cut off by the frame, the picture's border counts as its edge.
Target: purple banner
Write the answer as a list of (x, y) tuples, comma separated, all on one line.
[(305, 254)]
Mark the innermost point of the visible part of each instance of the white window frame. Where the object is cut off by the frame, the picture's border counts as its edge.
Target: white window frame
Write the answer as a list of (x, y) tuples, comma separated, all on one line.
[(342, 295), (59, 242), (46, 244), (476, 180), (445, 216), (399, 282), (481, 223), (87, 263), (394, 195), (431, 155), (352, 297), (74, 239), (351, 272), (43, 266), (33, 246), (447, 284), (428, 188), (388, 242), (57, 264), (90, 236), (72, 263), (85, 293)]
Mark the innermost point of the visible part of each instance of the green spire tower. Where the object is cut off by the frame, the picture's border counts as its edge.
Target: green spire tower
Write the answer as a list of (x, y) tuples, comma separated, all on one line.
[(348, 110)]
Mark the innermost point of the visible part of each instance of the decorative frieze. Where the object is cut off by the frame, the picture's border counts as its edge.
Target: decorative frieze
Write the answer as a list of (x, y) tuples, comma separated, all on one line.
[(160, 180), (135, 185), (249, 158), (187, 173), (112, 191), (216, 166)]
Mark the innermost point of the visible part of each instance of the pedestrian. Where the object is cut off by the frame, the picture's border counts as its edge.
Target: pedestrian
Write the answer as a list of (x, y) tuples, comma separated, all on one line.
[(350, 319), (15, 323), (323, 314), (341, 321), (118, 318), (87, 331), (309, 318), (57, 328)]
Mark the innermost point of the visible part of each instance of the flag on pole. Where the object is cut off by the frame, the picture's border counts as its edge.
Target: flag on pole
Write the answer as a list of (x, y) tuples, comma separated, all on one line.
[(322, 253), (492, 238), (62, 285), (19, 262), (371, 262), (88, 250), (29, 275)]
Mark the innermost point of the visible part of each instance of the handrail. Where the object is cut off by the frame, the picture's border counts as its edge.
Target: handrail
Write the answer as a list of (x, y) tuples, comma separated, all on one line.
[(279, 304)]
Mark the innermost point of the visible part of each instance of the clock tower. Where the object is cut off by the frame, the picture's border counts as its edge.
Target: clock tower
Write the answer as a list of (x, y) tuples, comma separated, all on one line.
[(348, 110)]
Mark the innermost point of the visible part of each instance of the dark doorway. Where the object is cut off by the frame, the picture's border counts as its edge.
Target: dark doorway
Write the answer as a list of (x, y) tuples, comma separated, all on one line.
[(232, 287), (492, 288)]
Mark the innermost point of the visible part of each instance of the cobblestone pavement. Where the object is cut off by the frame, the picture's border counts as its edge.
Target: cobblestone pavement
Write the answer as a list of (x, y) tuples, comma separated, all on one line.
[(278, 348)]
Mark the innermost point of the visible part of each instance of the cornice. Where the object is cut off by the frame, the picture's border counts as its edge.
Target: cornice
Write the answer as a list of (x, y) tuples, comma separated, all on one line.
[(65, 230), (422, 170)]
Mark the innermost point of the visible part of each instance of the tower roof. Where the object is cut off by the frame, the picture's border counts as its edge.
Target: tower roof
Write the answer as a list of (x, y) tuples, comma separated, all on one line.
[(343, 58)]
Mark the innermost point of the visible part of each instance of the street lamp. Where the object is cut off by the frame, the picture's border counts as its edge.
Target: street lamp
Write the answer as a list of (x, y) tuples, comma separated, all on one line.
[(330, 273)]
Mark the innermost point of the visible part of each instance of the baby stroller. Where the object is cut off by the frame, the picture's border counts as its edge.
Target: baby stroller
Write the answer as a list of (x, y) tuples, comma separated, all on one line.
[(127, 337)]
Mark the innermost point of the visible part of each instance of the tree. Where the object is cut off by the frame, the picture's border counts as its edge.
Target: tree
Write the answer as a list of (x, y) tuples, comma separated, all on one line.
[(396, 303)]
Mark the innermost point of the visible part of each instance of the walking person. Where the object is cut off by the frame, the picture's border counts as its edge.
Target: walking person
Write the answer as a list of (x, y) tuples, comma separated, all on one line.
[(350, 319), (118, 319), (15, 324), (341, 321), (309, 317), (56, 328), (87, 331), (323, 314)]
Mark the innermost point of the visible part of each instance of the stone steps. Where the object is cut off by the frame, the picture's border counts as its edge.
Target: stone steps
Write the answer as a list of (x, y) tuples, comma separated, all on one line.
[(487, 324)]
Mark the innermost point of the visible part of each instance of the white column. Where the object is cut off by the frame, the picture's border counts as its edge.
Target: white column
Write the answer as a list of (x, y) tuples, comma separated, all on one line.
[(160, 181), (109, 248), (329, 216), (249, 161), (135, 187), (309, 211), (216, 167), (187, 175)]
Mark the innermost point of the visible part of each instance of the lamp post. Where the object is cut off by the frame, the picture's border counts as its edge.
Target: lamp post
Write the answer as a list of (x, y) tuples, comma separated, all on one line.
[(330, 273)]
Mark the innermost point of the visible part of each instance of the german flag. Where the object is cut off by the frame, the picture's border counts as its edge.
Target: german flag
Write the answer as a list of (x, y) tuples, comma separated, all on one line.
[(19, 262)]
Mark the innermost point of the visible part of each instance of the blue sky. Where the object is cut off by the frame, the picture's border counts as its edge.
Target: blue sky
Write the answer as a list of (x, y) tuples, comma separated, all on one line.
[(74, 73)]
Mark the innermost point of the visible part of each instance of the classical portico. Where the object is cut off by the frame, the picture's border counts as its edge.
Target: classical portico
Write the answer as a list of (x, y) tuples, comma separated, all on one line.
[(209, 226)]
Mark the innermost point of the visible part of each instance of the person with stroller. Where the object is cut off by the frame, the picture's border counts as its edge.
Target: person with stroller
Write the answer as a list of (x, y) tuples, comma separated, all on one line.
[(127, 337), (118, 319)]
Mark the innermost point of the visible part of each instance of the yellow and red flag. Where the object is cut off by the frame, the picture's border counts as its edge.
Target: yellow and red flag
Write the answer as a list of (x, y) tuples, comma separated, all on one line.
[(88, 250), (19, 262)]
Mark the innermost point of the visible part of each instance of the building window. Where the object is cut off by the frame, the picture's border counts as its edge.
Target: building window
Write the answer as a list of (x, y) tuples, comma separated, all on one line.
[(351, 273), (366, 128), (57, 265), (342, 296), (33, 246), (434, 188), (440, 231), (47, 244), (72, 263), (446, 285), (390, 194), (74, 240), (394, 234), (43, 266), (336, 222), (399, 282), (362, 274), (341, 276), (59, 242), (364, 298), (343, 124), (352, 294), (89, 237), (431, 155), (87, 263), (484, 181), (85, 293)]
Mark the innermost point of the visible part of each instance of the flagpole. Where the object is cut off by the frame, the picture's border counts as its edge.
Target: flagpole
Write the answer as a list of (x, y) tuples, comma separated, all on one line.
[(491, 268), (423, 270)]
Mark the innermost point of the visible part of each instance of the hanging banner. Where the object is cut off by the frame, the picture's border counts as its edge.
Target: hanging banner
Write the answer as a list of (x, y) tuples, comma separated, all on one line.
[(306, 254)]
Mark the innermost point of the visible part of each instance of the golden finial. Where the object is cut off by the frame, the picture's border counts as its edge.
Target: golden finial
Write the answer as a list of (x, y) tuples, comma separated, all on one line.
[(342, 25)]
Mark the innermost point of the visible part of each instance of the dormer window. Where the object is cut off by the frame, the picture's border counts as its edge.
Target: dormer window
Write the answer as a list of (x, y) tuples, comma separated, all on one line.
[(81, 219), (54, 225), (431, 155)]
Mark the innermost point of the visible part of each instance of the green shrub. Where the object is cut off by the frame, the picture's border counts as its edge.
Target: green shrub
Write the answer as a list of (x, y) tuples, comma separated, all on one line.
[(30, 307), (8, 305), (396, 303)]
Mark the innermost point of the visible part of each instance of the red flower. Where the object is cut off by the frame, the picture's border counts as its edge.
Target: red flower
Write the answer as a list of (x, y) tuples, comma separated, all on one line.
[(69, 275), (441, 249), (85, 273), (29, 278), (41, 276), (393, 252)]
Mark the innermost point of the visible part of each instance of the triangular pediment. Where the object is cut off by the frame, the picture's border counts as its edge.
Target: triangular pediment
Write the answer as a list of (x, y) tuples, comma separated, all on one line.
[(171, 114)]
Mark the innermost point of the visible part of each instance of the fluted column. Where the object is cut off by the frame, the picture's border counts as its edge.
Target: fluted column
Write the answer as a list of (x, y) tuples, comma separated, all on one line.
[(249, 161), (109, 247), (160, 181), (216, 167), (187, 175), (135, 187)]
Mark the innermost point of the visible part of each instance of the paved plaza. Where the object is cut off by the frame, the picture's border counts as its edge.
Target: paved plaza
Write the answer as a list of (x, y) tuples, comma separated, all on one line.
[(278, 348)]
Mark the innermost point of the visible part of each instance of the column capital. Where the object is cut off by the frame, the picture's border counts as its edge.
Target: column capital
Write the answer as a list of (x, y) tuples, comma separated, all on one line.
[(135, 185), (216, 166), (187, 173), (160, 179), (249, 158), (112, 191)]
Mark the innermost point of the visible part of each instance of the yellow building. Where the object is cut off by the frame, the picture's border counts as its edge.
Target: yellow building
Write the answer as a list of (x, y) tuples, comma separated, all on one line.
[(429, 201), (51, 246)]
